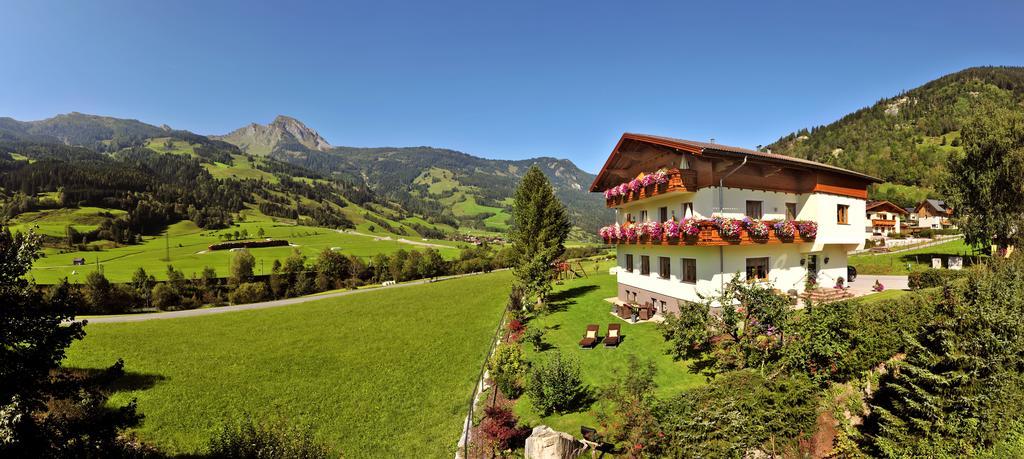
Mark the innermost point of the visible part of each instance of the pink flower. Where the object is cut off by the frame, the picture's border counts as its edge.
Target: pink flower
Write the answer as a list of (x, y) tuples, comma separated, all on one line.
[(654, 230), (756, 228), (784, 229), (728, 228), (672, 229), (807, 229), (690, 227)]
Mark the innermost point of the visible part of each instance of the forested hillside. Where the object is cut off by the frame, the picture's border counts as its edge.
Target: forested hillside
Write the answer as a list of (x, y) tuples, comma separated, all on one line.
[(137, 178), (905, 140), (447, 187)]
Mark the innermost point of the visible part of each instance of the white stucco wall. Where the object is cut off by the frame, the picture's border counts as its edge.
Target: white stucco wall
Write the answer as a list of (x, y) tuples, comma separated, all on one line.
[(785, 271), (834, 240)]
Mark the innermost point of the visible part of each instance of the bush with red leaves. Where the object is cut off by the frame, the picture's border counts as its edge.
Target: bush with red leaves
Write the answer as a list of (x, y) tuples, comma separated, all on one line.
[(515, 330), (500, 429)]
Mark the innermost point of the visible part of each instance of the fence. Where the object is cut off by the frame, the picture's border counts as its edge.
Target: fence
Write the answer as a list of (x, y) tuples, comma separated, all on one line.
[(468, 424)]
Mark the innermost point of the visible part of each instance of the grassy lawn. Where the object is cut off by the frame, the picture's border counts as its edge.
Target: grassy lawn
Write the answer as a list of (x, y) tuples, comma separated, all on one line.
[(580, 302), (379, 374), (53, 222), (188, 245), (918, 260)]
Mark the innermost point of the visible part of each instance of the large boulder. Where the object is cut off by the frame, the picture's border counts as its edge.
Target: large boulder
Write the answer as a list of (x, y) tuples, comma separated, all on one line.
[(547, 443)]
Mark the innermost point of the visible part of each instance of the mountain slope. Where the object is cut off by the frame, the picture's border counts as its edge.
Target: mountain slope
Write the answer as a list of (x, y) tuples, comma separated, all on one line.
[(285, 133), (445, 186), (907, 139)]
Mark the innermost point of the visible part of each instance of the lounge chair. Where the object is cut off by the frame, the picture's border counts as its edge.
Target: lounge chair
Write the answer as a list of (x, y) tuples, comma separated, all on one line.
[(614, 335), (590, 339)]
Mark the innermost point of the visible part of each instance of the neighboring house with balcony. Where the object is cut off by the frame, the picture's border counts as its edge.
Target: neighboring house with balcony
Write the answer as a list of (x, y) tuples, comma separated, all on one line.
[(680, 208), (884, 218), (934, 214)]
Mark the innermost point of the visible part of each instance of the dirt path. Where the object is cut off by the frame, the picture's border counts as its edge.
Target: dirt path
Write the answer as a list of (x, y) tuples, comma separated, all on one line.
[(251, 306), (402, 240)]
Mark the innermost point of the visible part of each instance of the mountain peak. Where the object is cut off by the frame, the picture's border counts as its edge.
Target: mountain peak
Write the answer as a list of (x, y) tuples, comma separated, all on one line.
[(284, 131)]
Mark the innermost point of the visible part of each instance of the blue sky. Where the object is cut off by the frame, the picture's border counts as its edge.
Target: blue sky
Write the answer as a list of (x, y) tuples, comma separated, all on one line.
[(495, 79)]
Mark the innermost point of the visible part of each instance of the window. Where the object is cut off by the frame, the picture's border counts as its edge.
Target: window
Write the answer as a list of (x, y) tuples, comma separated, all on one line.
[(629, 218), (645, 265), (688, 273), (754, 210), (663, 214), (757, 268), (687, 210), (842, 214), (664, 267), (790, 211), (643, 216), (629, 262)]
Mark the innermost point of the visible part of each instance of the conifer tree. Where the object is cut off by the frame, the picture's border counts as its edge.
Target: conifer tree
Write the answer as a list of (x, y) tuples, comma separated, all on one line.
[(540, 226), (961, 385)]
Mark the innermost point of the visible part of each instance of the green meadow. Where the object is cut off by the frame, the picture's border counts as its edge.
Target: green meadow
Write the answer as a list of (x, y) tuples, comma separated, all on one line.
[(384, 373), (902, 263), (577, 303), (187, 245)]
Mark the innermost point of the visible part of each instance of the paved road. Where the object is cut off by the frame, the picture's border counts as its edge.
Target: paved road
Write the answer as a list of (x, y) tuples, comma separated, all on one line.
[(250, 306), (865, 282)]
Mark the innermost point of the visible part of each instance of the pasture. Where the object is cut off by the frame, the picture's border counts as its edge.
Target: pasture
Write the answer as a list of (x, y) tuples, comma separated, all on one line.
[(187, 245), (910, 260), (385, 373)]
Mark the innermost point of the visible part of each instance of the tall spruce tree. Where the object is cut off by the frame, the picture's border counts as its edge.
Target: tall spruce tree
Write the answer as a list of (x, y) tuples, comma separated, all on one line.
[(986, 187), (540, 226), (961, 387)]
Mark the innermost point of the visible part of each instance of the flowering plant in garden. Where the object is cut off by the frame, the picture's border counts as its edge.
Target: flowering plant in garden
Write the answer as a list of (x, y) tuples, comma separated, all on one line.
[(728, 228), (757, 229), (672, 228), (689, 227), (784, 229), (807, 229)]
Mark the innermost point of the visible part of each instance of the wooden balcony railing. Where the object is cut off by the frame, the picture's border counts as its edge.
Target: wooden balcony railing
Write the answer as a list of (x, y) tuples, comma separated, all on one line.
[(877, 222), (710, 236), (678, 180)]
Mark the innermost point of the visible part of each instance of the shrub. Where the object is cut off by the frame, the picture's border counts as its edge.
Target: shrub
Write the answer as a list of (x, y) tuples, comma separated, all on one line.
[(926, 233), (249, 292), (501, 430), (507, 369), (276, 439), (535, 336), (165, 297), (515, 329), (631, 401), (933, 278), (555, 385), (736, 412), (877, 333)]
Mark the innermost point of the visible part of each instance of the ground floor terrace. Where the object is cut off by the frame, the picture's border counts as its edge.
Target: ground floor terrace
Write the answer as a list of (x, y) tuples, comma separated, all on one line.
[(664, 275)]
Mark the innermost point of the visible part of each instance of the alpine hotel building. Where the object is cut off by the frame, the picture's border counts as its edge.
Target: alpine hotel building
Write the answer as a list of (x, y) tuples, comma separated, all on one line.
[(691, 215)]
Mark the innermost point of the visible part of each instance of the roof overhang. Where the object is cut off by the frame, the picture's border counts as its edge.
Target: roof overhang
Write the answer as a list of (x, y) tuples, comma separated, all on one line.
[(885, 206), (700, 148)]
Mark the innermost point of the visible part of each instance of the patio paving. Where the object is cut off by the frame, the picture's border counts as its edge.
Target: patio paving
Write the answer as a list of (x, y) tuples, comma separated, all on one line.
[(865, 282)]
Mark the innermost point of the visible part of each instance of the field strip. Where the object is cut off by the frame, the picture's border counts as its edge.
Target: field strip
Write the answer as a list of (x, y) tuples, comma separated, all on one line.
[(402, 240), (252, 306)]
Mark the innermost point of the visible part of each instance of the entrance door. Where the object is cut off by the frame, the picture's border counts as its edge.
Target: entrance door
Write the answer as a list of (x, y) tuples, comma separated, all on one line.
[(812, 267)]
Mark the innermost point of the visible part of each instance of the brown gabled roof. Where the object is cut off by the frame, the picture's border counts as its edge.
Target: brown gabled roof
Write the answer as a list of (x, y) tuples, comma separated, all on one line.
[(698, 148), (872, 205)]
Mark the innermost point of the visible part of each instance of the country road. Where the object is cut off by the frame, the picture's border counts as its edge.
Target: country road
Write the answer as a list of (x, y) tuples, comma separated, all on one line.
[(251, 306)]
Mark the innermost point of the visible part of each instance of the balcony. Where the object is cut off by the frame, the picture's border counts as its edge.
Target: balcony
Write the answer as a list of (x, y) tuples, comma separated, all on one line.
[(709, 235), (678, 181), (882, 223)]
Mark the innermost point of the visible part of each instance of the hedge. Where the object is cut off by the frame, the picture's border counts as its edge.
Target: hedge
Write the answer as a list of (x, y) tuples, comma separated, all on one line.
[(933, 278)]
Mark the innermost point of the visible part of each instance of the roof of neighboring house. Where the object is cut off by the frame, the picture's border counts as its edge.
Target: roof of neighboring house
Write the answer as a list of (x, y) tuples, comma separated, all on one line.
[(909, 210), (884, 206), (936, 204), (697, 147)]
